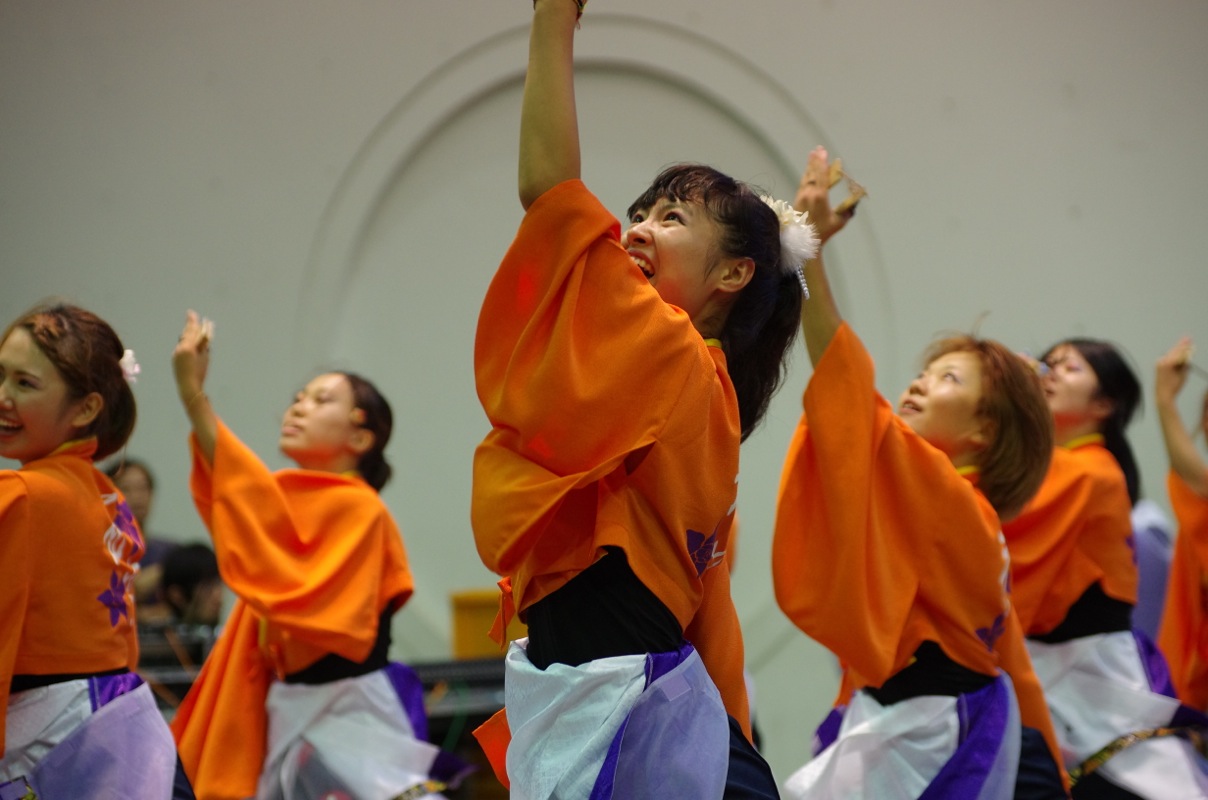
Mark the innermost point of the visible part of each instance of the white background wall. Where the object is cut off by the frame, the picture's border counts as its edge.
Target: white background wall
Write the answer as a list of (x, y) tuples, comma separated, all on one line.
[(333, 183)]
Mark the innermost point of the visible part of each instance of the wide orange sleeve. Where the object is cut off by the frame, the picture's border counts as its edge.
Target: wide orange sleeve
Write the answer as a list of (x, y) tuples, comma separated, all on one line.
[(15, 530), (717, 637), (569, 323), (1033, 709), (1075, 532), (303, 549), (1183, 636), (314, 558), (221, 728), (880, 543)]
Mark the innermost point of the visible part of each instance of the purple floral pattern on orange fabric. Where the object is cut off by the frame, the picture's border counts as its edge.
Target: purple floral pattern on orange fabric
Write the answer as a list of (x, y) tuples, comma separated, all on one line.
[(702, 550), (124, 522), (115, 599), (991, 635)]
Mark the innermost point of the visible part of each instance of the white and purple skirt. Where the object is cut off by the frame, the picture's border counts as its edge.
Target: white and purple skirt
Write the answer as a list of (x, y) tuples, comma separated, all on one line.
[(648, 725), (92, 737), (1107, 685), (924, 748), (362, 737)]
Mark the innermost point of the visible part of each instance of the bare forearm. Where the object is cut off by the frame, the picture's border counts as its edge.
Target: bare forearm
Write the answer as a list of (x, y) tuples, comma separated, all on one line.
[(204, 423), (1185, 460), (820, 318), (190, 364), (549, 128)]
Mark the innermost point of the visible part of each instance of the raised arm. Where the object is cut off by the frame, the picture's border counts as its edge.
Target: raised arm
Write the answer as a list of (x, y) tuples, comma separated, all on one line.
[(190, 362), (549, 127), (1185, 460), (820, 317)]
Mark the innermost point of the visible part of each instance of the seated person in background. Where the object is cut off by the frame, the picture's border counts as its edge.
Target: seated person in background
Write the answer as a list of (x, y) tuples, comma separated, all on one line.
[(173, 646), (134, 480), (190, 586)]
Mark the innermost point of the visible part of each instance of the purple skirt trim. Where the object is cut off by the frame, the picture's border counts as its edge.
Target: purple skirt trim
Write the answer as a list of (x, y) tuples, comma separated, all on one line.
[(411, 694), (446, 767), (1158, 673), (104, 689), (675, 741), (984, 717), (828, 731)]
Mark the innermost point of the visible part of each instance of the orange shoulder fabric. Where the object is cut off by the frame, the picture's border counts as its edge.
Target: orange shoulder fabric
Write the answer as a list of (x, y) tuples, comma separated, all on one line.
[(1075, 532), (880, 543), (1183, 636), (316, 554)]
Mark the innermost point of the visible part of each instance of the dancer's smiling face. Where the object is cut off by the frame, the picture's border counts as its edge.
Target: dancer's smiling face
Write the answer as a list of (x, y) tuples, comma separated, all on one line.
[(37, 412)]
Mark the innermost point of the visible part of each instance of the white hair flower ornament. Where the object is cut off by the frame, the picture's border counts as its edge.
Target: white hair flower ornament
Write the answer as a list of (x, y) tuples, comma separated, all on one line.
[(798, 240), (130, 367)]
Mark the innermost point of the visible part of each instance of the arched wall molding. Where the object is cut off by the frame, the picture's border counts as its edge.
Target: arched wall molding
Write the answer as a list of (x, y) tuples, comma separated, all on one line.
[(773, 114)]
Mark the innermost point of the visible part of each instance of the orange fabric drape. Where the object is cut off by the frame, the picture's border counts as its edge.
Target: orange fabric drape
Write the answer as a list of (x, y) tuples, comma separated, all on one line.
[(314, 558), (1183, 636), (1075, 532)]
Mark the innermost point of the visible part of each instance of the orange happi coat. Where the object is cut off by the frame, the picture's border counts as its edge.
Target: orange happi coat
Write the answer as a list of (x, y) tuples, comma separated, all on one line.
[(613, 424), (1075, 532), (881, 544), (68, 544), (314, 558)]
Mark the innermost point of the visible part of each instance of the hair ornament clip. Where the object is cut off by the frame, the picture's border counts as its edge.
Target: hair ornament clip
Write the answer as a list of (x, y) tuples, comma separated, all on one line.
[(130, 367), (798, 240)]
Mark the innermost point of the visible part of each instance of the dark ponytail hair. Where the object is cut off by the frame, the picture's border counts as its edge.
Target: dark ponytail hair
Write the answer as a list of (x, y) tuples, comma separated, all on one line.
[(87, 353), (764, 318), (1118, 384), (379, 420)]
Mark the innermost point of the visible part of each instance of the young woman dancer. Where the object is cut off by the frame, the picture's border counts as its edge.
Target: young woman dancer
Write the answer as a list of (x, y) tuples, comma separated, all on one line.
[(620, 374), (297, 699), (1074, 583), (69, 546), (1183, 637), (887, 550)]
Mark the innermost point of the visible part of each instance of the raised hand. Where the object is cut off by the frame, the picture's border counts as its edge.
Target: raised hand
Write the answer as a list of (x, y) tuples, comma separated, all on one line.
[(1171, 376), (813, 194), (1171, 371), (191, 357)]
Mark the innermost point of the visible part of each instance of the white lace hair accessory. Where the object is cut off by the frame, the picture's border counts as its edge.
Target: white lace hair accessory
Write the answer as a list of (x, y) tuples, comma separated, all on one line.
[(798, 240), (130, 367)]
